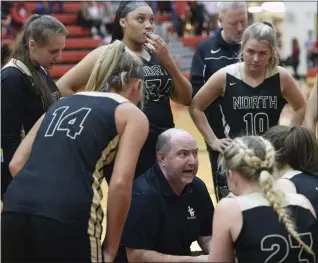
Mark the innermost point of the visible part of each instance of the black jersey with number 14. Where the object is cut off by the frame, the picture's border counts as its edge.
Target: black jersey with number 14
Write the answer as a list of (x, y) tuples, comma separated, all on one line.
[(76, 143)]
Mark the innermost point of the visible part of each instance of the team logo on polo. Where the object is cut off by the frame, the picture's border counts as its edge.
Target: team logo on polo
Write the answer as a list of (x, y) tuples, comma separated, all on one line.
[(192, 213)]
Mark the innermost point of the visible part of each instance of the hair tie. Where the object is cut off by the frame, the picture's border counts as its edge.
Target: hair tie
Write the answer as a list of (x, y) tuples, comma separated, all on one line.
[(268, 24), (114, 78)]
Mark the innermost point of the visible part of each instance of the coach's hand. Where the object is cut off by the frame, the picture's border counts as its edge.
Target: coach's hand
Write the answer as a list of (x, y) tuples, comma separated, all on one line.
[(220, 144)]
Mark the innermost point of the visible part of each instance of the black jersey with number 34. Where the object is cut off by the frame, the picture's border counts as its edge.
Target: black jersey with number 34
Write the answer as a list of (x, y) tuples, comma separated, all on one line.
[(73, 151), (250, 110)]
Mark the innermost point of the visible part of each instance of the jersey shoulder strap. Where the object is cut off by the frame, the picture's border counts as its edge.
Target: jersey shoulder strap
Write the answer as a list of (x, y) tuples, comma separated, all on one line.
[(15, 63)]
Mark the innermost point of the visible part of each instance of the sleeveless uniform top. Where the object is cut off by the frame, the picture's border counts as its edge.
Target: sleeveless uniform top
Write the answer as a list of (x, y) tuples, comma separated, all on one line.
[(21, 106), (306, 184), (62, 177), (250, 111), (158, 89), (263, 238)]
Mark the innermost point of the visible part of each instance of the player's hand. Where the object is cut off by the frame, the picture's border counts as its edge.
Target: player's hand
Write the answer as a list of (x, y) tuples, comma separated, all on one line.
[(107, 257), (159, 48), (221, 144)]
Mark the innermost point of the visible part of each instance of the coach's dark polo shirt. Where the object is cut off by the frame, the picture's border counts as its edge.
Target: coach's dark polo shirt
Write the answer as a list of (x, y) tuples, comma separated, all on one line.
[(160, 220)]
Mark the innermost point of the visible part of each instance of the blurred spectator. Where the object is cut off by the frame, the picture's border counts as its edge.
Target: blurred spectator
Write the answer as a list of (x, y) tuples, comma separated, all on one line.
[(153, 5), (40, 8), (6, 39), (52, 5), (5, 8), (197, 17), (164, 6), (91, 15), (295, 57), (211, 17), (20, 13), (182, 10), (309, 47)]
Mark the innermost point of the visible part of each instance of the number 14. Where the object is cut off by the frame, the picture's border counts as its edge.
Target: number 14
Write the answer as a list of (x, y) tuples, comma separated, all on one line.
[(72, 123)]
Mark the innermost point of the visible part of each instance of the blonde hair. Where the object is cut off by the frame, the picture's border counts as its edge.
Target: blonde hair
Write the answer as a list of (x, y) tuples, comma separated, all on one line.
[(114, 69), (254, 157), (263, 32)]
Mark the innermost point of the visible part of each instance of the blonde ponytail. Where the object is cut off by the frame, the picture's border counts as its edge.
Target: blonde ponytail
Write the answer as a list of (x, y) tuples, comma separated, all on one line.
[(276, 200), (105, 66)]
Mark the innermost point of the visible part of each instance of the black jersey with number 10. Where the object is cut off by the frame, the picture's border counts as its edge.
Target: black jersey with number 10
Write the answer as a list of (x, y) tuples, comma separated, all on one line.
[(250, 110)]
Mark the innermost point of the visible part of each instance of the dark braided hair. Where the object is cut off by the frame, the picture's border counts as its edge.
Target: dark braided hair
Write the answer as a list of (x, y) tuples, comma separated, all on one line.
[(118, 31)]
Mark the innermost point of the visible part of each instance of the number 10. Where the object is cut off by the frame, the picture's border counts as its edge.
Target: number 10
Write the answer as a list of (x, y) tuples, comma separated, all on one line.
[(257, 124)]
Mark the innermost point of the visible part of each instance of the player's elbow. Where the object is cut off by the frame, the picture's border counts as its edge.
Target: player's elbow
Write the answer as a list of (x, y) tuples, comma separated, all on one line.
[(121, 183), (15, 166)]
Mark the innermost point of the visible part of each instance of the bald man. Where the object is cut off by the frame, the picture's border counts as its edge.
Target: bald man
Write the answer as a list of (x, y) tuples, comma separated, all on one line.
[(170, 207)]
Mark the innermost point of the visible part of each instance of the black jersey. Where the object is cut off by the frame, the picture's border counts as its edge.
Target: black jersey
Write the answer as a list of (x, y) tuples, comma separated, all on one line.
[(306, 184), (158, 89), (250, 111), (211, 55), (263, 238), (62, 178), (21, 107)]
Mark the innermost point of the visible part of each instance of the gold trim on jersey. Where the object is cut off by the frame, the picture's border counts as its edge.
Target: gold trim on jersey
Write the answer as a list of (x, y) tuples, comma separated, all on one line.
[(96, 212), (253, 200), (114, 96)]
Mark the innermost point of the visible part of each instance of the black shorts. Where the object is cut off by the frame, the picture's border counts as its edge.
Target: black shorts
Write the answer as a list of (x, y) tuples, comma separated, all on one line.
[(27, 238)]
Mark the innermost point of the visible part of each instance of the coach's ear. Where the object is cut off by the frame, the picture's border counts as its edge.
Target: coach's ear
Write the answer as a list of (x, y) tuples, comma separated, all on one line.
[(161, 158)]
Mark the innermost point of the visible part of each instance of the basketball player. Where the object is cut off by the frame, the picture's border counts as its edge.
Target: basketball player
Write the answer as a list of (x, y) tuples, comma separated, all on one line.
[(27, 89), (252, 93), (311, 117), (297, 160), (52, 209), (216, 53), (134, 25), (258, 223)]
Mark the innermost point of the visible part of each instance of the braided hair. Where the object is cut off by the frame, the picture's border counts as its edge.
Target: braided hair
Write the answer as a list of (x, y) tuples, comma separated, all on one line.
[(254, 157)]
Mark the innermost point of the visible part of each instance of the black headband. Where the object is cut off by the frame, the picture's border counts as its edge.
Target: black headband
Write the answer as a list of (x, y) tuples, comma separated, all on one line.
[(131, 7)]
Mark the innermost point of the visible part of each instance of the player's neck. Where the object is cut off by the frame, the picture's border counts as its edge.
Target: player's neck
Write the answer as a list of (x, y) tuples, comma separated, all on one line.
[(251, 187), (135, 47), (259, 74), (284, 169)]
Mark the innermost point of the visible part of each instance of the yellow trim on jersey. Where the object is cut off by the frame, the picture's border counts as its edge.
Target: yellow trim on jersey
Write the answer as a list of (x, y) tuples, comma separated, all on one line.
[(114, 96), (96, 212)]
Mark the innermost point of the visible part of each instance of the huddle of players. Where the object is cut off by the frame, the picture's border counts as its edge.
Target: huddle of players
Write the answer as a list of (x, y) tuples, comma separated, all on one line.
[(121, 131)]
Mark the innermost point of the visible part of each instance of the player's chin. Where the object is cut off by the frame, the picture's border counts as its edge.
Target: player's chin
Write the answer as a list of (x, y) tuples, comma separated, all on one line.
[(50, 65)]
